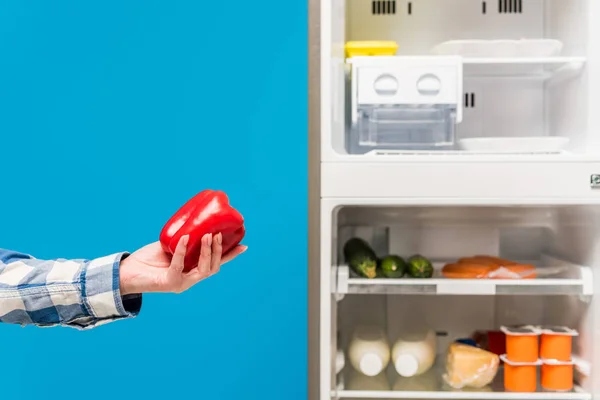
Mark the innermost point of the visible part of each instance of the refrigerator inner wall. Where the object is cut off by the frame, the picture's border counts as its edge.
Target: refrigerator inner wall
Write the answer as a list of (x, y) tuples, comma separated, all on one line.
[(499, 100), (446, 233)]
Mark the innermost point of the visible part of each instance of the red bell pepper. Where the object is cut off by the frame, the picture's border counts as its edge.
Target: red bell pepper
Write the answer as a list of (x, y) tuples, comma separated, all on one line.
[(207, 212)]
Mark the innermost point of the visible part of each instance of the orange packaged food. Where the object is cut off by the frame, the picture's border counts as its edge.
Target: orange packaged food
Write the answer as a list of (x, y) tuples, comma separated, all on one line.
[(497, 260), (557, 343), (466, 271), (522, 343), (488, 267), (515, 271), (489, 260), (520, 377), (488, 271), (478, 261), (557, 375)]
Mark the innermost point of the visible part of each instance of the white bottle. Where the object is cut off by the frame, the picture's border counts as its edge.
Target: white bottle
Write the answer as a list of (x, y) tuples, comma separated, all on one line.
[(340, 361), (369, 350), (414, 354)]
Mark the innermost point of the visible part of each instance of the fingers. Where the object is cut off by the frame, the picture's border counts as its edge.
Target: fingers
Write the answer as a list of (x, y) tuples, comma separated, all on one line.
[(233, 253), (177, 262), (210, 260), (202, 271), (217, 249), (205, 255)]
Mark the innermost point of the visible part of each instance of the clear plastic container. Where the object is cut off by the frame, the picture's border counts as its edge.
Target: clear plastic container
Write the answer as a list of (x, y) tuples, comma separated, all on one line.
[(397, 128)]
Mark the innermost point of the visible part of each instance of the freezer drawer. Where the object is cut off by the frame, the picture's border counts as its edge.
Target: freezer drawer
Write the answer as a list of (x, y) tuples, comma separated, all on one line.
[(404, 103), (390, 128)]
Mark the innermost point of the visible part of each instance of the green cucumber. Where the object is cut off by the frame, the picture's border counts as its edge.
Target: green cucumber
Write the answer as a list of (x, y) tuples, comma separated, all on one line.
[(419, 267), (361, 258), (393, 266)]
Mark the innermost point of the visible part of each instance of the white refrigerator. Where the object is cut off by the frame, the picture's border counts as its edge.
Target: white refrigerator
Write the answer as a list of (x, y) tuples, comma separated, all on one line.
[(453, 129)]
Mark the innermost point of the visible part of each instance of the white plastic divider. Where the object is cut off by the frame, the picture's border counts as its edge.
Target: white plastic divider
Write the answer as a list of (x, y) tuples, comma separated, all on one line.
[(555, 68), (514, 67)]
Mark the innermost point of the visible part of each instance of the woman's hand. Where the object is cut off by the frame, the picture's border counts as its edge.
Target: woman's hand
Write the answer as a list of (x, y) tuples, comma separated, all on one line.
[(150, 269)]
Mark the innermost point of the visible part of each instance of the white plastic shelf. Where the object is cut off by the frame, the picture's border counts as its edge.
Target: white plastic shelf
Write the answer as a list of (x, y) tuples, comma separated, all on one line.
[(527, 67), (495, 391), (542, 67), (576, 394), (571, 280)]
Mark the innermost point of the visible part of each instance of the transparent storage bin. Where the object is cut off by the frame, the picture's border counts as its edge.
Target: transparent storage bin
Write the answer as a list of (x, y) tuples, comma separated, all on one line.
[(398, 128)]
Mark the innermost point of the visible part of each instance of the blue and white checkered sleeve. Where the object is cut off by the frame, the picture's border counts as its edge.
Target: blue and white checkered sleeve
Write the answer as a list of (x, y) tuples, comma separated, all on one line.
[(81, 294)]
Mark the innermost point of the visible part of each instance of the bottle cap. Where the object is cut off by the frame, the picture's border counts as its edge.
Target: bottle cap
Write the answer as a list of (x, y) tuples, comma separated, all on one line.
[(371, 364), (406, 365)]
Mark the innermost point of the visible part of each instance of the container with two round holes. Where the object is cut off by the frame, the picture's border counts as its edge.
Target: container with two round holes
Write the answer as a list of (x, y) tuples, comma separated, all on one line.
[(557, 343), (522, 344), (557, 375), (520, 376)]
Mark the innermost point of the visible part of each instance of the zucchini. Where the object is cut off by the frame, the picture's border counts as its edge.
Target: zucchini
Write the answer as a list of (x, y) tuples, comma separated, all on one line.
[(361, 258), (419, 267), (393, 267)]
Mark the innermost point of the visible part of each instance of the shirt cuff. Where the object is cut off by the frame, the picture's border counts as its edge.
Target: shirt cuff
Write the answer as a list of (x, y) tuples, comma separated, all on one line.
[(101, 291)]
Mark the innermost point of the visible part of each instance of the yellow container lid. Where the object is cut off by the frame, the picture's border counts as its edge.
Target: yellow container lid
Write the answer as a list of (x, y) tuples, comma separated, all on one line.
[(371, 48)]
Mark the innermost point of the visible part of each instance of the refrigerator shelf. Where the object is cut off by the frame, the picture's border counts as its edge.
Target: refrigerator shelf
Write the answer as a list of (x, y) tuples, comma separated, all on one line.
[(572, 280), (513, 67), (576, 394), (556, 68), (389, 385)]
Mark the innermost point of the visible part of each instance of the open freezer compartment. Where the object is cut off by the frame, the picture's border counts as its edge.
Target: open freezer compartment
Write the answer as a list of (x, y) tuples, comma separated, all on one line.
[(560, 242), (524, 87)]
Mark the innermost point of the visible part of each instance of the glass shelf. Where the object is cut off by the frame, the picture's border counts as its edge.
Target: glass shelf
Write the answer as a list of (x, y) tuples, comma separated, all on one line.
[(572, 280), (543, 67), (391, 386)]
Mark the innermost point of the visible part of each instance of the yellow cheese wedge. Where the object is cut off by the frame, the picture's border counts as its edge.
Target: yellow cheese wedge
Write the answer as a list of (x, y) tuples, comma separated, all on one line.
[(468, 366)]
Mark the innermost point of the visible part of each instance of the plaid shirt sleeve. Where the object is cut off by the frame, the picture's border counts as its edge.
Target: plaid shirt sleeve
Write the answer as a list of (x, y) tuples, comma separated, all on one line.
[(81, 294)]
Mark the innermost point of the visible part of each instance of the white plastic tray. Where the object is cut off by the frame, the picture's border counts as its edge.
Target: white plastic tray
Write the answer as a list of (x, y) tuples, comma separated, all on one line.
[(500, 48), (504, 145)]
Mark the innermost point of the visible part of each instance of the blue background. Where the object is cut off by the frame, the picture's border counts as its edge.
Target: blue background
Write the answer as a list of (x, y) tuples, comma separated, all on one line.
[(114, 113)]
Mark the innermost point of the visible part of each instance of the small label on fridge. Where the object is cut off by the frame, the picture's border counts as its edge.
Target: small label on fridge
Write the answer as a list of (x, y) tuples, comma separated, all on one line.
[(595, 181)]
